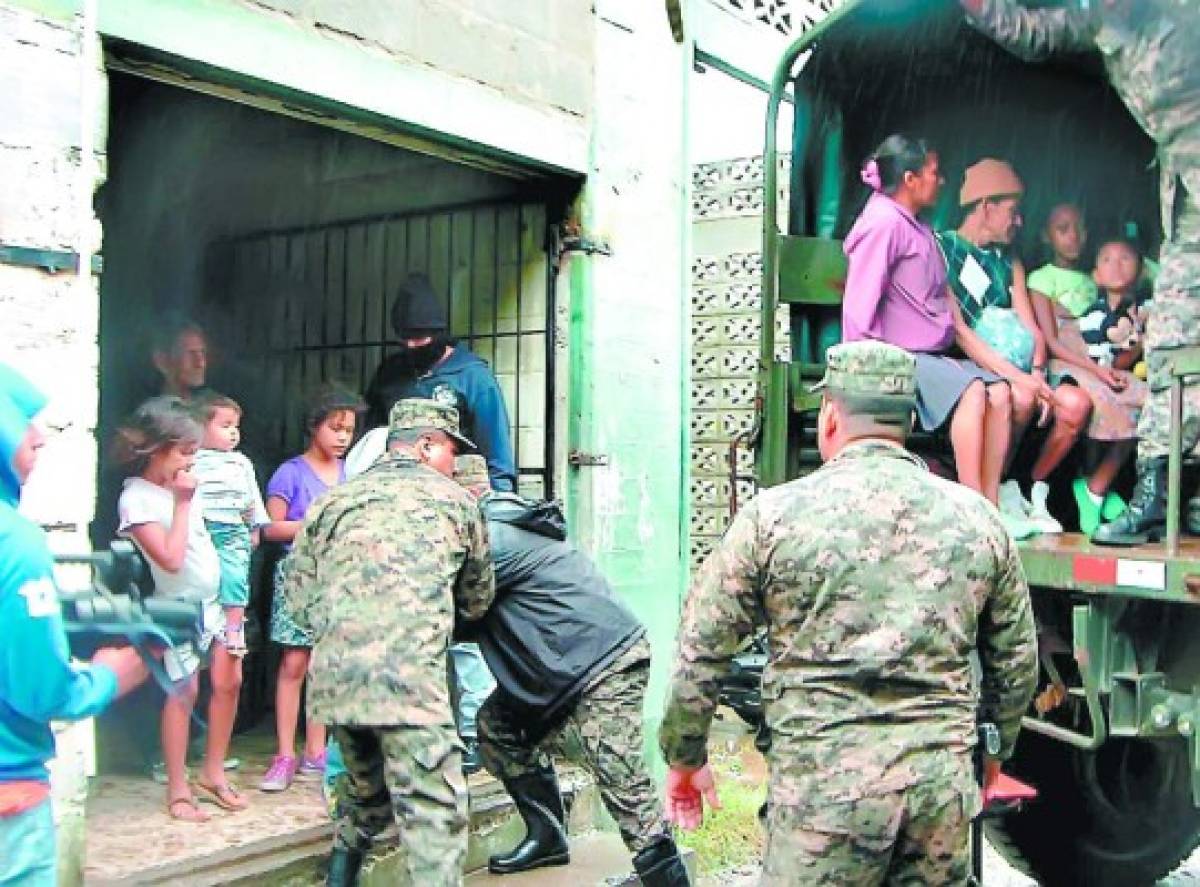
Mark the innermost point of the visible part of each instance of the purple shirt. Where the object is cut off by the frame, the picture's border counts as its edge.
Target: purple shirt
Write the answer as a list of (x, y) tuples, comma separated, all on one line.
[(298, 485), (896, 287)]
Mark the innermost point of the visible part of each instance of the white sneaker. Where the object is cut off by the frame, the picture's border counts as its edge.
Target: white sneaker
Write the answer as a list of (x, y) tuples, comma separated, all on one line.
[(1039, 515), (1012, 503), (1018, 527)]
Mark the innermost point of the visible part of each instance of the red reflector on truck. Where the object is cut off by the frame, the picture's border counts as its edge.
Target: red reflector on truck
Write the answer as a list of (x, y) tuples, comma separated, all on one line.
[(1119, 571), (1095, 570)]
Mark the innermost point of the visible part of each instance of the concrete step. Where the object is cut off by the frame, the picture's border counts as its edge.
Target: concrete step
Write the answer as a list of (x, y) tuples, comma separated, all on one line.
[(598, 859)]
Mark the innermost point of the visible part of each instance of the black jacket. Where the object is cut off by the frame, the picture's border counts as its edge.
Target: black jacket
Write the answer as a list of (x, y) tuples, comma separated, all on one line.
[(556, 622)]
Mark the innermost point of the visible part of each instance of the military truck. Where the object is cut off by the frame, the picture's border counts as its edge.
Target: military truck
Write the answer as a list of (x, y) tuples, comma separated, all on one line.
[(1116, 761)]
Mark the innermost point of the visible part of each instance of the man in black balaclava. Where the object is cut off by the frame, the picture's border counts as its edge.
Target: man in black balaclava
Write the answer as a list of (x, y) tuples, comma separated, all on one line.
[(433, 365)]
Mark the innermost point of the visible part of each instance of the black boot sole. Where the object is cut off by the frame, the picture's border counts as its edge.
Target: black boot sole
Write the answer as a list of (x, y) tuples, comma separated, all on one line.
[(556, 859), (1154, 534)]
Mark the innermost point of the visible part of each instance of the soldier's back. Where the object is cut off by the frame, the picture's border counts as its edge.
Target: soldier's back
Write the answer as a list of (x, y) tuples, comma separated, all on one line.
[(874, 575)]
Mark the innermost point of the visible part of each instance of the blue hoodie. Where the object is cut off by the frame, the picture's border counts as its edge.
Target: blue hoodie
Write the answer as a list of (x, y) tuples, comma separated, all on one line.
[(464, 381), (37, 681)]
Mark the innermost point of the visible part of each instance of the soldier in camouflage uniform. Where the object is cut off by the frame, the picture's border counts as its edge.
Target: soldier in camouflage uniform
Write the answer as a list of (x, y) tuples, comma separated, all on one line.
[(875, 580), (571, 664), (381, 569), (1149, 51)]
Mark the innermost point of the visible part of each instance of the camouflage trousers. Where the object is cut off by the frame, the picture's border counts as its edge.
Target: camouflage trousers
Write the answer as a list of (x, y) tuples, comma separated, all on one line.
[(1174, 321), (918, 836), (603, 733), (413, 775)]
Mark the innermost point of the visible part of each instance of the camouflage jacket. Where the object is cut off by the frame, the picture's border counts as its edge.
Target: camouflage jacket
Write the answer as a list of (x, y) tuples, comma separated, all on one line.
[(378, 572), (875, 580), (1149, 49)]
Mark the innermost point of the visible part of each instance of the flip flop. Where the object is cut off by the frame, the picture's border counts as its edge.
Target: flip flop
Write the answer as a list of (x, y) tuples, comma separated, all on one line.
[(193, 812), (226, 796)]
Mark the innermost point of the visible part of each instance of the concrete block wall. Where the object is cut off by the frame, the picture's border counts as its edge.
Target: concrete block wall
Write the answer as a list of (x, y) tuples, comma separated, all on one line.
[(49, 320), (538, 50), (727, 201)]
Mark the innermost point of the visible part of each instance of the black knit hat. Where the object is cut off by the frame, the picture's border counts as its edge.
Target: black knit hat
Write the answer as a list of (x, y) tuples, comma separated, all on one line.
[(417, 308)]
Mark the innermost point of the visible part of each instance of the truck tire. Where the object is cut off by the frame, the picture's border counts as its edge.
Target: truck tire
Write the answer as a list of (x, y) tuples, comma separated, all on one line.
[(1122, 815)]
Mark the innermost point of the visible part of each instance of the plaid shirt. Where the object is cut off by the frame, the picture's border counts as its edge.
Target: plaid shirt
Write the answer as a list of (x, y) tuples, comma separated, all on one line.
[(997, 265)]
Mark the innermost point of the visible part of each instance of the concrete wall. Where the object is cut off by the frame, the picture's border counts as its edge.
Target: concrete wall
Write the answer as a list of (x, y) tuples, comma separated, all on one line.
[(628, 315), (537, 50), (49, 321)]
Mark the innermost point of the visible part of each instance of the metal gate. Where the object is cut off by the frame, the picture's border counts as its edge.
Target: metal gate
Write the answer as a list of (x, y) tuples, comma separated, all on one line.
[(311, 305)]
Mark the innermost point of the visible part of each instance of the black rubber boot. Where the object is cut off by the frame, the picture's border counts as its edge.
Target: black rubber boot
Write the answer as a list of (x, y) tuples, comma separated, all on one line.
[(1146, 518), (344, 864), (540, 805), (660, 865)]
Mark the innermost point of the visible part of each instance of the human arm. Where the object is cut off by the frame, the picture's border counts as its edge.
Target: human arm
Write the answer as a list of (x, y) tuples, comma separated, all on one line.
[(1043, 309), (870, 255), (167, 547), (1032, 34), (1024, 310), (280, 529), (1007, 649), (721, 610), (491, 429), (475, 588), (37, 678)]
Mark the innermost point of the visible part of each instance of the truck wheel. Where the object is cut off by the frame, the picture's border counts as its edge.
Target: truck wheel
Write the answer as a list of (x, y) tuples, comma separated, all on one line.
[(1122, 815)]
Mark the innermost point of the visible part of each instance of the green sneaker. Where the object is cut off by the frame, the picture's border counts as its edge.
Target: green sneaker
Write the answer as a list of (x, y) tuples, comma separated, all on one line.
[(1089, 512), (1114, 506)]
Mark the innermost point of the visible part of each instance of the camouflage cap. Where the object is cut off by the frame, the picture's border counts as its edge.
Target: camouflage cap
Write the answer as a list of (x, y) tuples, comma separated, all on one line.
[(471, 471), (414, 413), (871, 369)]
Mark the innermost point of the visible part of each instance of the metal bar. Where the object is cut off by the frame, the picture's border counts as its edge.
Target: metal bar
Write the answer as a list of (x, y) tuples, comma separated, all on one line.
[(548, 436), (719, 64), (516, 432), (771, 468), (50, 260), (1175, 465), (1091, 641)]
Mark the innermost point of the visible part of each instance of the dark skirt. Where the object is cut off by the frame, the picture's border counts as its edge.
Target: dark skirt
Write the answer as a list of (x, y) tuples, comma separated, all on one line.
[(941, 382)]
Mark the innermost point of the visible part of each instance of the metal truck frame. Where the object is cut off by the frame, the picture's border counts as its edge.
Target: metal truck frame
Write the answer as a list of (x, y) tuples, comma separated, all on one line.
[(1117, 763)]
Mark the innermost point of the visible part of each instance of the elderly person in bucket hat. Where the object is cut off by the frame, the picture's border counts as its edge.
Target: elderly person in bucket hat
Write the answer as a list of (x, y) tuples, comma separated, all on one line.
[(997, 329), (875, 580), (382, 569)]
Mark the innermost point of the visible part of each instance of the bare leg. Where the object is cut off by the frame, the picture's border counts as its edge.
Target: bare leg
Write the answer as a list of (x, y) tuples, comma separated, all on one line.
[(314, 739), (226, 677), (1024, 405), (176, 719), (292, 668), (1071, 410), (997, 428), (968, 418), (1109, 466)]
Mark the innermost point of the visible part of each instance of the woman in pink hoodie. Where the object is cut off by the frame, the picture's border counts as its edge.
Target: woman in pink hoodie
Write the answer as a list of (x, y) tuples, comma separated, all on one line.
[(896, 292)]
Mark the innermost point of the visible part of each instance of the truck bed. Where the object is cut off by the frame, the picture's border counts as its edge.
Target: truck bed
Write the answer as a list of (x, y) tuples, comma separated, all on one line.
[(1069, 562)]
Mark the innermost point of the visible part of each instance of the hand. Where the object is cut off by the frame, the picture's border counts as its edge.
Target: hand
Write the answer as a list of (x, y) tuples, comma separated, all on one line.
[(125, 663), (991, 773), (1118, 380), (1045, 397), (183, 485), (687, 790)]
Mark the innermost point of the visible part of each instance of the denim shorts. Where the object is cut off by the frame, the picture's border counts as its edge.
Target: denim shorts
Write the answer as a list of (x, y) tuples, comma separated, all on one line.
[(28, 851)]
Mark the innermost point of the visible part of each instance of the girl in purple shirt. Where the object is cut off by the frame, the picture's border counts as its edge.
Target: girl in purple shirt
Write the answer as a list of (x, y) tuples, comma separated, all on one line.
[(896, 293), (292, 489)]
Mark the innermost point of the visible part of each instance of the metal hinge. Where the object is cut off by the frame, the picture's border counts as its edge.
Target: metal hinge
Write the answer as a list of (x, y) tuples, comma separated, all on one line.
[(51, 260), (566, 238), (577, 459)]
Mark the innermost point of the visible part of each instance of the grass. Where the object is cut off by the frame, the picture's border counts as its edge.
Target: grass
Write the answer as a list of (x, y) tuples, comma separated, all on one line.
[(731, 836)]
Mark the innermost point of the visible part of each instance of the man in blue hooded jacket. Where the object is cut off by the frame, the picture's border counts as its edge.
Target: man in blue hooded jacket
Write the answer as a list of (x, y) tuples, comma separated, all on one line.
[(38, 683)]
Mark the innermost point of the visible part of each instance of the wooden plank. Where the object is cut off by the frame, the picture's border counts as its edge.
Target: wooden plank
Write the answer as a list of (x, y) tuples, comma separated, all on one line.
[(397, 269), (418, 245), (483, 274), (508, 252), (315, 277), (333, 313), (439, 256), (375, 327)]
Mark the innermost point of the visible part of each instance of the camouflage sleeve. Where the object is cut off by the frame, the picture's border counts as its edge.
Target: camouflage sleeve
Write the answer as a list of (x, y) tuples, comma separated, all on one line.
[(300, 577), (476, 586), (1032, 34), (1008, 651), (720, 612)]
